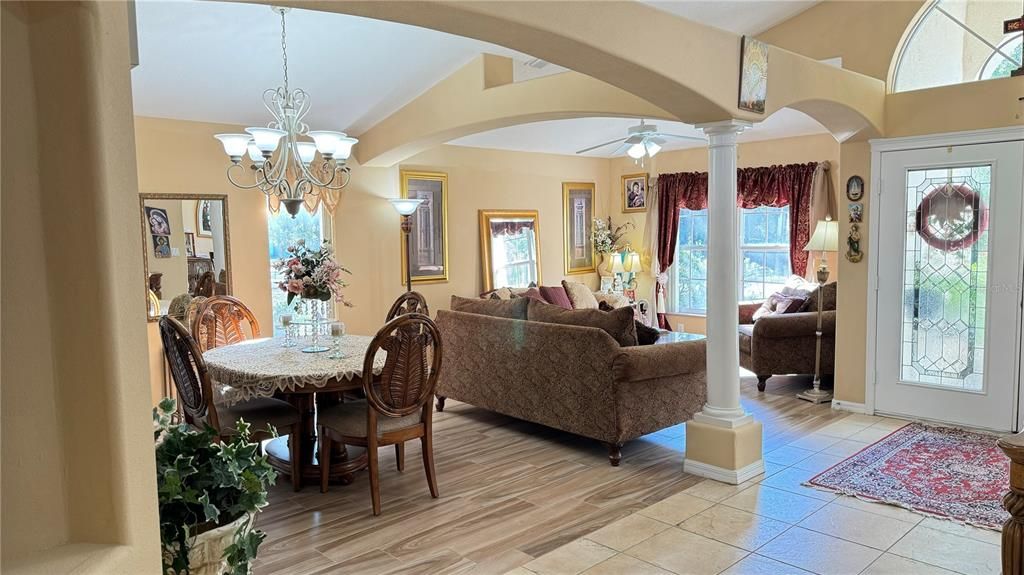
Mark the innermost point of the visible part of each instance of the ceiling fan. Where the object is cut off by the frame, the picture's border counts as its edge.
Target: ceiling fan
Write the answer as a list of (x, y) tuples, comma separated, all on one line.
[(643, 140)]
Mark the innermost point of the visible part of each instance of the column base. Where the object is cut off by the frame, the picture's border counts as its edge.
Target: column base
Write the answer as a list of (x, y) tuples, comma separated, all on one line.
[(727, 454)]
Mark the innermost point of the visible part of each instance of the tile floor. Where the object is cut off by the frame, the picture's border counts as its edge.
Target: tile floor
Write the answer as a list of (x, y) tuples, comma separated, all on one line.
[(773, 524)]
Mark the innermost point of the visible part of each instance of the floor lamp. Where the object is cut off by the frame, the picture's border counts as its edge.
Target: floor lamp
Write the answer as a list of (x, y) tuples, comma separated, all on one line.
[(825, 239), (406, 207)]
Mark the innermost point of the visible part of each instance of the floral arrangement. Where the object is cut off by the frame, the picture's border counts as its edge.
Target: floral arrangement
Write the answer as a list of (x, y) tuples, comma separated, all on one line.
[(312, 274), (605, 238), (203, 484)]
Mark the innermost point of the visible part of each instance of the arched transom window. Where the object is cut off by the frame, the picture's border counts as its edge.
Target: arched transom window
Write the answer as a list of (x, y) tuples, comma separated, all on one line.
[(957, 41)]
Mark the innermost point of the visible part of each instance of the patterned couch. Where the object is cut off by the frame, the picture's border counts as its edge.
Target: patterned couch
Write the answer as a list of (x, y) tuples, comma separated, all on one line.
[(572, 378)]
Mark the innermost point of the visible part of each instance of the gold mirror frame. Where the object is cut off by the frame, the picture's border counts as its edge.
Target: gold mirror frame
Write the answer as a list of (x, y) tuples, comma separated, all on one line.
[(442, 177), (588, 226), (149, 295), (485, 240)]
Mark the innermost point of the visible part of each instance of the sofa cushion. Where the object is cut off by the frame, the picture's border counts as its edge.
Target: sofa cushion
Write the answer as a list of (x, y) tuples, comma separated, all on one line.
[(532, 293), (512, 308), (614, 300), (556, 295), (828, 293), (618, 323), (500, 293), (645, 334), (746, 338), (580, 295), (779, 303)]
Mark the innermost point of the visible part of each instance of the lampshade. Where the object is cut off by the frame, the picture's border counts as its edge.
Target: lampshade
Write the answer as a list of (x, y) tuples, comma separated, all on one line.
[(344, 147), (255, 154), (825, 238), (326, 142), (234, 144), (266, 138), (636, 151), (633, 264), (307, 151), (405, 206), (617, 264), (652, 148)]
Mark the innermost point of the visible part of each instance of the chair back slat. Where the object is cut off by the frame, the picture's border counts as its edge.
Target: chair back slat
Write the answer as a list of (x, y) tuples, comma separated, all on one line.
[(188, 370), (409, 302), (220, 320), (413, 346)]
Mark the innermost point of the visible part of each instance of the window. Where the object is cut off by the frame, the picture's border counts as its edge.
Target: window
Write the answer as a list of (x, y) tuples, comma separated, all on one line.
[(282, 231), (514, 259), (956, 41), (764, 246)]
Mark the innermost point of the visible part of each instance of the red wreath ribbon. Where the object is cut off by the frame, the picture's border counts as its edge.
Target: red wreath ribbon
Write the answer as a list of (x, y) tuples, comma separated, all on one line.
[(934, 199)]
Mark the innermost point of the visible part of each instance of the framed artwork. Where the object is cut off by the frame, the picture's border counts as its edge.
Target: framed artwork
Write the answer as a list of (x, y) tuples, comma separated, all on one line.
[(856, 212), (190, 244), (634, 193), (428, 240), (577, 225), (854, 188), (159, 223), (753, 75), (162, 246), (204, 219), (509, 248)]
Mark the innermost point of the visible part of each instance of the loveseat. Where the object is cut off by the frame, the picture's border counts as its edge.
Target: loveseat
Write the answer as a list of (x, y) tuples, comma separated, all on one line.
[(569, 377)]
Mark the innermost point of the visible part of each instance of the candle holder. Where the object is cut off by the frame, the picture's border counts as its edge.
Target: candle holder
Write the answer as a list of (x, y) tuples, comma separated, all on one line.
[(337, 334), (286, 323), (316, 319)]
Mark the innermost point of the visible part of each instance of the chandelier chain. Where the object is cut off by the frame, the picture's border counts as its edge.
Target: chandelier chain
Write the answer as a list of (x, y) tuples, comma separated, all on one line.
[(284, 53)]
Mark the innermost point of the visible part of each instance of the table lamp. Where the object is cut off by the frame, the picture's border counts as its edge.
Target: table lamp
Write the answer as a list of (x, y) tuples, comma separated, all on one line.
[(633, 266), (405, 208), (825, 239), (617, 270)]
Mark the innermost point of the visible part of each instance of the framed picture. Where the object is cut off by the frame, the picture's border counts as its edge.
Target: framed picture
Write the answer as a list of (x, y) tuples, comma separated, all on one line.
[(854, 188), (159, 223), (204, 219), (577, 225), (753, 75), (162, 246), (856, 212), (190, 244), (634, 193), (428, 240)]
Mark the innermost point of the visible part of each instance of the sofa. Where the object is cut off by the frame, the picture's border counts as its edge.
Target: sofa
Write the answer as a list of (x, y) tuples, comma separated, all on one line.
[(784, 343), (569, 377)]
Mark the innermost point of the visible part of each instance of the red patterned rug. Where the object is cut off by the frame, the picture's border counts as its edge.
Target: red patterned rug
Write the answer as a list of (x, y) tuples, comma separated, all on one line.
[(939, 471)]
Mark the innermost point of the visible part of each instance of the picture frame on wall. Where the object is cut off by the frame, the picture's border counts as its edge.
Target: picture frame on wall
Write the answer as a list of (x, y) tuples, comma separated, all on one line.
[(190, 244), (577, 226), (753, 75), (161, 246), (159, 223), (634, 193), (855, 188), (428, 240), (204, 219)]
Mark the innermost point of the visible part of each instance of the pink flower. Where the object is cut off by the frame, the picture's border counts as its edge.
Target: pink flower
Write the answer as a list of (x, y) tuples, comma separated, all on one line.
[(295, 286)]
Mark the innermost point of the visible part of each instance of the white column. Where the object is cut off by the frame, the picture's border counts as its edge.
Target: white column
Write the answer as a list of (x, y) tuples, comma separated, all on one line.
[(723, 359)]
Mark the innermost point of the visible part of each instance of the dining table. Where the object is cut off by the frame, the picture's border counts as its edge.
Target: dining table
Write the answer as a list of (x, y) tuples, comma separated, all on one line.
[(268, 367)]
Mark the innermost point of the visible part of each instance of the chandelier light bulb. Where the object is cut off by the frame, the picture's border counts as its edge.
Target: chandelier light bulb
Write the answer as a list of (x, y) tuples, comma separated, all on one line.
[(636, 151), (234, 144), (307, 151), (266, 139)]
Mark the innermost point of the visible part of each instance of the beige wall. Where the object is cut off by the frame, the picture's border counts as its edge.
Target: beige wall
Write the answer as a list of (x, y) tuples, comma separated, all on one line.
[(78, 481), (817, 148)]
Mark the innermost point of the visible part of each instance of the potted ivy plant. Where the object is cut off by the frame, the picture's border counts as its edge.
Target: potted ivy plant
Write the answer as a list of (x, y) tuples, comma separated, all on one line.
[(209, 492)]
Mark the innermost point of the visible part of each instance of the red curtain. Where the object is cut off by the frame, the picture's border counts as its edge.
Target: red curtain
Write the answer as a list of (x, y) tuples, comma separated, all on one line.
[(775, 186)]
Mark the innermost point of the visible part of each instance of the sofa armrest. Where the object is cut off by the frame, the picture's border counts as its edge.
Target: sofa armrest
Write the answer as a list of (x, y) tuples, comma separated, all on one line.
[(747, 310), (644, 362), (801, 324)]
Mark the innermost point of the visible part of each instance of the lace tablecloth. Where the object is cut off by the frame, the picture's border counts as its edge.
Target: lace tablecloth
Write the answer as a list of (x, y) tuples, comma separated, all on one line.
[(261, 367)]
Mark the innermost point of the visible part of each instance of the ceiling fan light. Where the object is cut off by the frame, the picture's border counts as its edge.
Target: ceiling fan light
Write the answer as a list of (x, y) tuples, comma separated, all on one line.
[(652, 148), (636, 151)]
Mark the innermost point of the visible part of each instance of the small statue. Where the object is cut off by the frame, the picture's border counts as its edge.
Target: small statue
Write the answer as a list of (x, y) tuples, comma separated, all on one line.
[(853, 252)]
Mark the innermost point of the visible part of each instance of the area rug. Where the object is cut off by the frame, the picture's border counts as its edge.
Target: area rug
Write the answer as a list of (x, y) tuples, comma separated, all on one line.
[(938, 471)]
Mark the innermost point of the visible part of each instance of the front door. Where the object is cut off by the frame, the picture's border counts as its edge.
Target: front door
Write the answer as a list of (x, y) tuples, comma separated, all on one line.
[(948, 323)]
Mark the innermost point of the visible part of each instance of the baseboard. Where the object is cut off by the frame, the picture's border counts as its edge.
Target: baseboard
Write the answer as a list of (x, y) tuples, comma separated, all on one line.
[(731, 476), (850, 406)]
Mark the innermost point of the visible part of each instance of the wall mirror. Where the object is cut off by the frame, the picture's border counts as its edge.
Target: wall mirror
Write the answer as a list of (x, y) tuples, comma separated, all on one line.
[(186, 250), (509, 248)]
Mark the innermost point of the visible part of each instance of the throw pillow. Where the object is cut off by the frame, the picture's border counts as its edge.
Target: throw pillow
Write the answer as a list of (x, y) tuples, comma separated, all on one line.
[(580, 295), (613, 299), (618, 323), (828, 293), (646, 335), (532, 293), (789, 304), (556, 295), (500, 293), (767, 308), (512, 309)]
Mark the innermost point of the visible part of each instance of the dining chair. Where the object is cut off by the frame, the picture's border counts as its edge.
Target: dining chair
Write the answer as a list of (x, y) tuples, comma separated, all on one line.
[(195, 397), (397, 405), (409, 302), (220, 320), (205, 285)]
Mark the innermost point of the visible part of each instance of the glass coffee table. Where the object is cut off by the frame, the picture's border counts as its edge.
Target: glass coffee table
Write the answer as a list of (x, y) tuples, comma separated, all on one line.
[(678, 336)]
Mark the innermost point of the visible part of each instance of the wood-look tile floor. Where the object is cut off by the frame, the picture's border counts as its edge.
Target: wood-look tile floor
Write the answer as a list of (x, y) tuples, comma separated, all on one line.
[(512, 491)]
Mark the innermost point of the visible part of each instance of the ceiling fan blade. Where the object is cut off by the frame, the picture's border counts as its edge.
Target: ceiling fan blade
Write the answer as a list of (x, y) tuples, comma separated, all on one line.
[(636, 138), (691, 138), (618, 151), (585, 150)]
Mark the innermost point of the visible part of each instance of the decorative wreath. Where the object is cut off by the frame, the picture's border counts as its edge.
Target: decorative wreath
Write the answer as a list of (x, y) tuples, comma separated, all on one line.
[(951, 217)]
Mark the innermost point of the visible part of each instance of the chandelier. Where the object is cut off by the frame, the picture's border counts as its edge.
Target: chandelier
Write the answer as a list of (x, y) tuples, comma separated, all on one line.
[(285, 165)]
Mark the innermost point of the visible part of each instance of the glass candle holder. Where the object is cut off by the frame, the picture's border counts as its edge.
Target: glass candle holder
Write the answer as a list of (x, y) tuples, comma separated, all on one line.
[(286, 323), (337, 334)]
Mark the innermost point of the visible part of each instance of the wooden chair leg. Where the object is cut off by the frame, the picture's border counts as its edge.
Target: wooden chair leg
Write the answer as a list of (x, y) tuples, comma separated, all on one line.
[(400, 455), (324, 459), (371, 455), (295, 455), (427, 446)]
